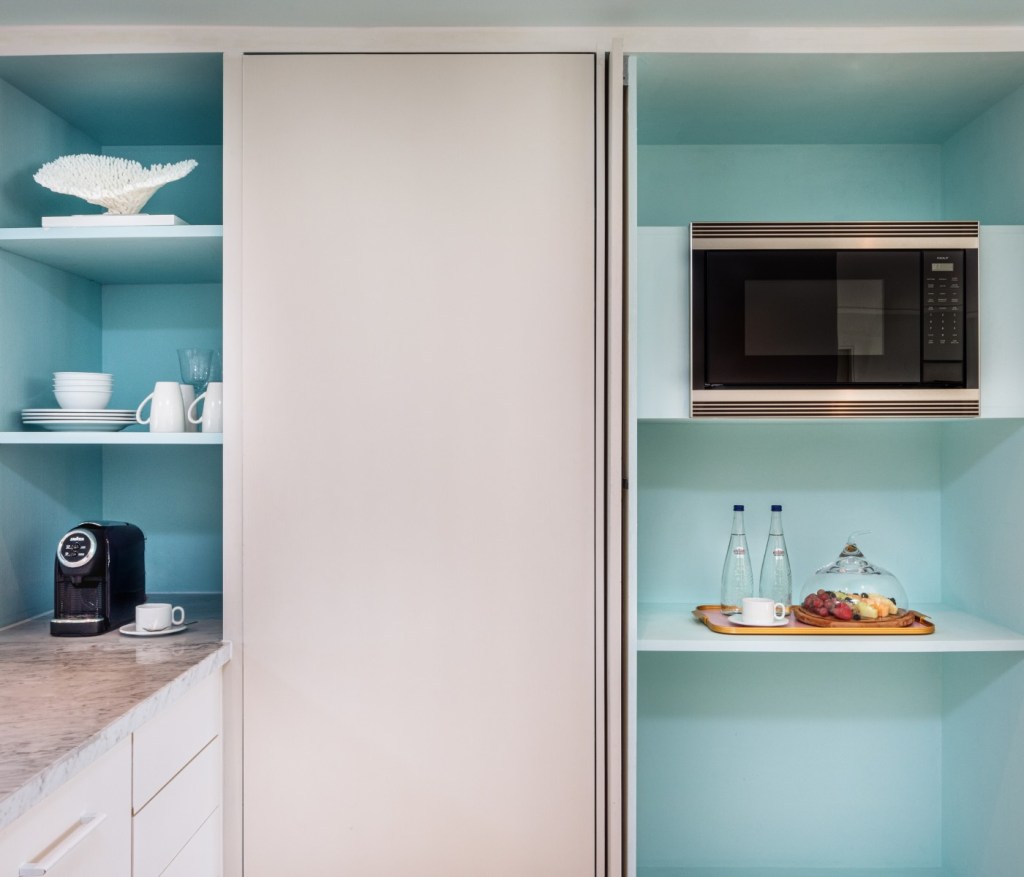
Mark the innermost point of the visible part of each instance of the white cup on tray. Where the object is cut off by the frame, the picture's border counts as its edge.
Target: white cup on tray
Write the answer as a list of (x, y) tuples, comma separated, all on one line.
[(762, 611)]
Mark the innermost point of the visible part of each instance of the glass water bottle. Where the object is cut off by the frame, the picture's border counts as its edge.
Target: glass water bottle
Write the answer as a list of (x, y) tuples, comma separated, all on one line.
[(776, 575), (737, 574)]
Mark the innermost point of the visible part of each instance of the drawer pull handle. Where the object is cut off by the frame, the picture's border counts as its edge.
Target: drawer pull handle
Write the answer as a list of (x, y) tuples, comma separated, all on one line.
[(87, 824)]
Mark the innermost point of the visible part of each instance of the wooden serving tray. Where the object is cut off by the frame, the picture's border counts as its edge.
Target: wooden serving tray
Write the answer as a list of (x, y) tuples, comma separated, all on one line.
[(904, 618), (713, 617)]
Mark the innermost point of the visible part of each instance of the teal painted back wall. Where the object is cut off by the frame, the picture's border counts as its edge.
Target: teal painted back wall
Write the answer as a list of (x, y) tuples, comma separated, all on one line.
[(832, 479), (29, 136), (143, 327), (50, 321), (983, 171), (982, 766), (174, 495), (942, 502), (977, 174), (982, 513), (744, 760), (56, 321), (679, 184), (944, 505), (43, 492)]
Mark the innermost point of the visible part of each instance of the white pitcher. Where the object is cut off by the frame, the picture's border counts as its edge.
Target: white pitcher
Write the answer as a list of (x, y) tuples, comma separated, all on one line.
[(213, 408), (167, 412)]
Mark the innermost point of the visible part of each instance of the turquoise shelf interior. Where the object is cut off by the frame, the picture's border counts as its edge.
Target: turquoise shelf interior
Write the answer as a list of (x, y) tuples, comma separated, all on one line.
[(919, 752), (912, 759), (830, 137), (115, 302)]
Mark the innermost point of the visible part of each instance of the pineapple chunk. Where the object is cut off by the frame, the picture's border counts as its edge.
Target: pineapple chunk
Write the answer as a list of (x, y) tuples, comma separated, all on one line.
[(866, 610)]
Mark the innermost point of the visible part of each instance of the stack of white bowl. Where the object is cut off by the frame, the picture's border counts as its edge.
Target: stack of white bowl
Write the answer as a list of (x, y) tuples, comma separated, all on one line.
[(83, 399), (83, 390)]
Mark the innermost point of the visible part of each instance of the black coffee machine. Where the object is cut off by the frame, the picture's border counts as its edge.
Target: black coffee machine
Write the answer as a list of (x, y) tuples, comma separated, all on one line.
[(99, 578)]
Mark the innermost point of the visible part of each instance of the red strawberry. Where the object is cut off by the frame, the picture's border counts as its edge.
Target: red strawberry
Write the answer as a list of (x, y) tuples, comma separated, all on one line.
[(843, 611)]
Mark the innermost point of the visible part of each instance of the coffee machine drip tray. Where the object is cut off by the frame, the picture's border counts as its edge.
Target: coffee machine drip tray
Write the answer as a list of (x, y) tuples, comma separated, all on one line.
[(78, 626)]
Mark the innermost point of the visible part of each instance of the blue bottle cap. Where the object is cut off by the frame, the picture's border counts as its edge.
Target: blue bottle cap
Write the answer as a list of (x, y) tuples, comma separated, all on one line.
[(776, 508), (737, 508)]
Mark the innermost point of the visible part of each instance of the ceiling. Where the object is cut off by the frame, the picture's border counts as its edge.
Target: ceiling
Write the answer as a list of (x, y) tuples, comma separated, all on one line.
[(504, 13)]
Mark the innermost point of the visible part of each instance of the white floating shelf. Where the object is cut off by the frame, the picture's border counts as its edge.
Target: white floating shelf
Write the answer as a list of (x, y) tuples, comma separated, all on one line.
[(124, 254), (33, 437), (794, 872), (673, 628)]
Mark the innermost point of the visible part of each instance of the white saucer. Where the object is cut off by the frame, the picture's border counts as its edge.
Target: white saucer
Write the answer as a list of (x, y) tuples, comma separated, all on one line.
[(81, 425), (78, 412), (129, 630), (778, 622), (68, 418)]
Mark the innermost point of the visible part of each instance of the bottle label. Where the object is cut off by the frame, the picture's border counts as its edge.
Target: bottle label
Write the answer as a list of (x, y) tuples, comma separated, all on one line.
[(739, 552), (778, 552)]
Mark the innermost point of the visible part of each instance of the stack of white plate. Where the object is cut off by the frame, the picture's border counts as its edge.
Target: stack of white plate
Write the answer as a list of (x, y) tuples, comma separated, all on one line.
[(92, 419), (83, 390)]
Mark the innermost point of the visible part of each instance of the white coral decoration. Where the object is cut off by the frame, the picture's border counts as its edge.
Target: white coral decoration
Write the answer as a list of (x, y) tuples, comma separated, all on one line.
[(119, 184)]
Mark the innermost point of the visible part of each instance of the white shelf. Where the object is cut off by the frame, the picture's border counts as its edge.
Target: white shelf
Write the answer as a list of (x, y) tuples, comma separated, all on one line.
[(110, 438), (673, 628), (794, 872), (124, 254)]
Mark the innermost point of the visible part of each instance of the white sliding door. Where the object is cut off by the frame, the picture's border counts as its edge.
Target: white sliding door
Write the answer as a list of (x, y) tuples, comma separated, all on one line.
[(420, 518)]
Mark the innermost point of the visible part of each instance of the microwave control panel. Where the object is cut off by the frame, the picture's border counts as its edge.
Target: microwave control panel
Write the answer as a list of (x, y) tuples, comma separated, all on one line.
[(943, 305)]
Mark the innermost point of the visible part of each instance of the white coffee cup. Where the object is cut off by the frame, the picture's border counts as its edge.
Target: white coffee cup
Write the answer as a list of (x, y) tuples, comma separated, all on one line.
[(762, 610), (188, 393), (213, 408), (154, 617), (167, 413)]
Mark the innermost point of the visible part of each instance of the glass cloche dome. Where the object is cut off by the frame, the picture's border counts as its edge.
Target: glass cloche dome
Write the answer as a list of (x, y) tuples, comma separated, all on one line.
[(852, 573)]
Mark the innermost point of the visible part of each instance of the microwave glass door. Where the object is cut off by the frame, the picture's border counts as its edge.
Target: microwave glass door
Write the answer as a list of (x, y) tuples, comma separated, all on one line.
[(778, 318)]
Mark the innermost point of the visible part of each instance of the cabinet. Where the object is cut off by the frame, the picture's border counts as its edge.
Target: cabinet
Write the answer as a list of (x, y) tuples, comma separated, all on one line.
[(176, 787), (422, 584), (149, 806), (837, 756), (117, 300), (82, 829)]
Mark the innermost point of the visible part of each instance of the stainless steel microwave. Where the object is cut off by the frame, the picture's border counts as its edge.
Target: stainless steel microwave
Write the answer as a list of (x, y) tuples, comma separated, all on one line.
[(838, 319)]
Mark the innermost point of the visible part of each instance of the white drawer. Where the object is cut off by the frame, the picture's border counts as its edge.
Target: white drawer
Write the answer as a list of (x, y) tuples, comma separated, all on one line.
[(166, 743), (171, 818), (55, 834), (203, 854)]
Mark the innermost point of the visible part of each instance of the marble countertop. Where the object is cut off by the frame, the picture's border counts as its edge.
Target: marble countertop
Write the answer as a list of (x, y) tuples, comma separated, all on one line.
[(65, 701)]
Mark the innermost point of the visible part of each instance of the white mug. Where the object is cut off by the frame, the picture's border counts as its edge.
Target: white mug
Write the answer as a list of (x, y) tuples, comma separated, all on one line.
[(213, 408), (188, 393), (167, 413), (762, 610), (153, 617)]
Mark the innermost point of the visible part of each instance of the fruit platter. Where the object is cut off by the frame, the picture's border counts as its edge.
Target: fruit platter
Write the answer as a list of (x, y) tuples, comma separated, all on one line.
[(839, 608), (905, 622)]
